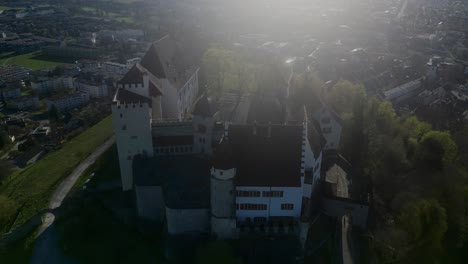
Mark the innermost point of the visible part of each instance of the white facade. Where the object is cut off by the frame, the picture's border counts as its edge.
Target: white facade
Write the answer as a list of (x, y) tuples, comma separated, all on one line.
[(113, 67), (68, 102), (45, 85), (331, 128), (95, 90), (187, 95), (132, 128), (290, 195)]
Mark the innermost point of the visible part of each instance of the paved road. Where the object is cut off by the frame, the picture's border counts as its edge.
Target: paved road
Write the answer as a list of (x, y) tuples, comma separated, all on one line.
[(46, 248), (345, 246)]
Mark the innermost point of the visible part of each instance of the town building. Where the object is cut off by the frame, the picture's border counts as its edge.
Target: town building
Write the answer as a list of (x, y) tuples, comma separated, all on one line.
[(10, 93), (95, 89), (24, 103), (68, 102), (13, 71), (43, 85), (404, 92), (114, 67)]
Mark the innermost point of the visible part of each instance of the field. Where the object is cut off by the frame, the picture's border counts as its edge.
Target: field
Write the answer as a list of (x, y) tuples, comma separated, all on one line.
[(111, 15), (32, 61), (30, 189)]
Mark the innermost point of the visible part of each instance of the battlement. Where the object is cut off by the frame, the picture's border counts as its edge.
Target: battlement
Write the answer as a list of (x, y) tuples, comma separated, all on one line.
[(130, 86), (170, 122)]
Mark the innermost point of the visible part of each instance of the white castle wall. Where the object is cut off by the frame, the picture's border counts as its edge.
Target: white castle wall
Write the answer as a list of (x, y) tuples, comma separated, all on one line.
[(150, 203), (223, 222), (202, 140), (187, 221), (132, 128), (292, 195)]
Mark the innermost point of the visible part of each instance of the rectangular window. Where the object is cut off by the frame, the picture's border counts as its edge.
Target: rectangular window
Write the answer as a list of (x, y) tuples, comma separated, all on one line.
[(273, 194), (287, 207), (256, 207), (259, 219), (326, 130), (247, 193)]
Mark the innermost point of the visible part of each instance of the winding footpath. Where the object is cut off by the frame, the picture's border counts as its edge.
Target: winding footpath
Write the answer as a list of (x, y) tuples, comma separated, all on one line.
[(46, 249)]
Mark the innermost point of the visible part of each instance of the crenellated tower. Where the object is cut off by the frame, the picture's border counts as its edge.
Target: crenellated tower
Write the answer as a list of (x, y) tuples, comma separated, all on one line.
[(223, 211)]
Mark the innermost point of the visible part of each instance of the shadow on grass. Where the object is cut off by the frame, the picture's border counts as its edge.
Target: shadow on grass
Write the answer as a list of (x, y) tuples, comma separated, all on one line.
[(57, 59), (7, 55)]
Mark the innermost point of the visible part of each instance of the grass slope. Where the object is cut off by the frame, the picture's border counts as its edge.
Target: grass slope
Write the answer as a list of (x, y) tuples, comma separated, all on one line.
[(32, 61), (32, 187)]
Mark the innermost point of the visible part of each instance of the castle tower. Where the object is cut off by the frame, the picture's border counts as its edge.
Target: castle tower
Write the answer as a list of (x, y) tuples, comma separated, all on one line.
[(131, 115), (223, 211), (136, 100), (203, 122)]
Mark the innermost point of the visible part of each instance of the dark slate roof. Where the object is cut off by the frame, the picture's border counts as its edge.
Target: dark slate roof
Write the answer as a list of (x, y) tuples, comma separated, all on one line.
[(154, 89), (263, 160), (164, 141), (223, 156), (316, 140), (127, 97), (203, 107), (266, 109), (133, 76), (152, 62), (187, 181)]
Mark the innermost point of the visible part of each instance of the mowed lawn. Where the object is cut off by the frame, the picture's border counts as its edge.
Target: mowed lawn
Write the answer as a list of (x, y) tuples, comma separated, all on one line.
[(32, 61), (31, 188)]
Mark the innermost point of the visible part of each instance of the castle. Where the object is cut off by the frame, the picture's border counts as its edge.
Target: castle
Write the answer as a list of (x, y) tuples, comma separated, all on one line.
[(202, 172)]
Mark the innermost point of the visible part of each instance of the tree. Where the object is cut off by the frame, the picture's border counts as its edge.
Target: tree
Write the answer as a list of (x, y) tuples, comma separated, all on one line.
[(437, 147), (425, 222), (226, 70)]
